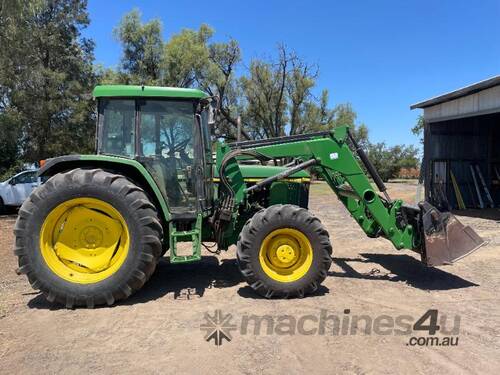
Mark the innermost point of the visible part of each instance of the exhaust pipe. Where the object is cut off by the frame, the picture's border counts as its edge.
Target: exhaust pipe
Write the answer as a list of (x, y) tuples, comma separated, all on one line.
[(446, 239)]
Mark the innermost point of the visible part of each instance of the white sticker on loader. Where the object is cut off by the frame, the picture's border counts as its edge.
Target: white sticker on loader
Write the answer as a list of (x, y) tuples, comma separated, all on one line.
[(334, 156)]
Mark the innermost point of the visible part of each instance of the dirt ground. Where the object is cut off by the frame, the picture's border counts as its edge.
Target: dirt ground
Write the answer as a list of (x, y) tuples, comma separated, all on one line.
[(158, 329)]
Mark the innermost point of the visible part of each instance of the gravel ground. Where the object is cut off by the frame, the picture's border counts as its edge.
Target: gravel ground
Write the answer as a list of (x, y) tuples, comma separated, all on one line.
[(158, 329)]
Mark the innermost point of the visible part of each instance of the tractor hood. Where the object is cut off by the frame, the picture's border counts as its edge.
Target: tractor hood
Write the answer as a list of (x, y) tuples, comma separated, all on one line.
[(252, 173)]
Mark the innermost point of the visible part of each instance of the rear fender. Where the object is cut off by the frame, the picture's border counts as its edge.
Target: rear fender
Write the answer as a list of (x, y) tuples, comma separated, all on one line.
[(130, 168)]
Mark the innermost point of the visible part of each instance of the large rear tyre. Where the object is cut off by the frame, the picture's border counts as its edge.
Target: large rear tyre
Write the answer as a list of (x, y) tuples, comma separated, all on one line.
[(87, 238), (284, 251)]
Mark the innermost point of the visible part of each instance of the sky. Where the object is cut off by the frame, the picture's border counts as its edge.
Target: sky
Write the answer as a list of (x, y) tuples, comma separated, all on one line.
[(380, 56)]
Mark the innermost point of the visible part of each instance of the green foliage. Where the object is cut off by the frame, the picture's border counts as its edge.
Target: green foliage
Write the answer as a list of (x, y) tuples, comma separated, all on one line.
[(265, 97), (9, 141), (142, 48), (279, 100), (14, 168), (46, 75), (389, 160), (418, 128), (274, 98), (186, 57)]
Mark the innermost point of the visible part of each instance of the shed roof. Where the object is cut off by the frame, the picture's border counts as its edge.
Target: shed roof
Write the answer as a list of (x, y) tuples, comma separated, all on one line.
[(464, 91)]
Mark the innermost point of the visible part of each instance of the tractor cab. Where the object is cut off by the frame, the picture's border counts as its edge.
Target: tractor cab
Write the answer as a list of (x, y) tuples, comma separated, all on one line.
[(167, 131)]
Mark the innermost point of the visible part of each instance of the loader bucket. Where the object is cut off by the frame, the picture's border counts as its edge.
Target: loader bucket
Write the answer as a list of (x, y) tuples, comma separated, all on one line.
[(446, 239)]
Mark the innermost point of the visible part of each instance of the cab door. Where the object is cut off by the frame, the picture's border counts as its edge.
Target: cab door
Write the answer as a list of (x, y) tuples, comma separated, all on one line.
[(168, 148)]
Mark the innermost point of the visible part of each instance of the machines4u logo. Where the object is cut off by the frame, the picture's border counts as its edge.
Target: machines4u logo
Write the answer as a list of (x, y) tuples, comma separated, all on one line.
[(218, 327), (422, 330)]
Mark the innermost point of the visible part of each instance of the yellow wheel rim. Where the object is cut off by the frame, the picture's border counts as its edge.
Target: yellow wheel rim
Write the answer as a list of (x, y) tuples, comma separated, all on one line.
[(286, 255), (84, 240)]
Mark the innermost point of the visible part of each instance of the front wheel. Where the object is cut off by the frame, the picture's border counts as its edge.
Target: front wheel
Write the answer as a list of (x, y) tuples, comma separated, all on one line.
[(87, 237), (284, 251)]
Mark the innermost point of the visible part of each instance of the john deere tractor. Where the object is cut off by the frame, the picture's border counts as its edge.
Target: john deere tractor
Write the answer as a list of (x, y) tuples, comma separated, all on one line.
[(93, 233)]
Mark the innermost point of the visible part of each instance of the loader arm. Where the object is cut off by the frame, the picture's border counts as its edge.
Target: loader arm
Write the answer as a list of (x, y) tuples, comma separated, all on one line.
[(334, 156)]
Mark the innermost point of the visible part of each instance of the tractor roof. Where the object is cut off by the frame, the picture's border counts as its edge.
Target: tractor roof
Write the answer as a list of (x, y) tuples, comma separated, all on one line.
[(147, 91)]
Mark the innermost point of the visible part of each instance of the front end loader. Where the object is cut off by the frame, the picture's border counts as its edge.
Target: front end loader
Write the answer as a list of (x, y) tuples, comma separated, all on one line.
[(93, 233)]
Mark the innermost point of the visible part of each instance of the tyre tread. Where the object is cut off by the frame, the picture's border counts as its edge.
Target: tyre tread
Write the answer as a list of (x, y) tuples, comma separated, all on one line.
[(246, 249)]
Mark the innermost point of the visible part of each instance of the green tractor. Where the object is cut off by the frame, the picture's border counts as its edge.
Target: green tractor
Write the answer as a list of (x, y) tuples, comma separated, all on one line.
[(93, 233)]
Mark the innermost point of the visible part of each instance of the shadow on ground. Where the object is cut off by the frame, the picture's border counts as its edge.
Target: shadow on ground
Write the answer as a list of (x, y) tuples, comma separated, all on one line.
[(182, 281), (188, 281), (248, 292), (401, 268)]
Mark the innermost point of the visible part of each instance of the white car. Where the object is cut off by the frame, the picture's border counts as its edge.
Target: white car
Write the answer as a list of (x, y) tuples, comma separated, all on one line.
[(16, 189)]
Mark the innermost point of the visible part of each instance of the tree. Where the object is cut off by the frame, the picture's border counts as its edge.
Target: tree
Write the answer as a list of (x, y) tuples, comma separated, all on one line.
[(278, 100), (418, 128), (46, 76), (9, 141), (389, 160), (185, 57), (344, 114), (142, 45), (277, 95), (273, 98), (220, 80), (300, 81)]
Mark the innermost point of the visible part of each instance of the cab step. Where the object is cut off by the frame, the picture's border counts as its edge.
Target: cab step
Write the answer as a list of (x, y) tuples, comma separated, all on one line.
[(192, 235)]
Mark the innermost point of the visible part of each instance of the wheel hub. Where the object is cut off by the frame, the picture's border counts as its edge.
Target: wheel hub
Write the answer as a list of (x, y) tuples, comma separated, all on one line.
[(84, 240), (285, 254), (91, 237)]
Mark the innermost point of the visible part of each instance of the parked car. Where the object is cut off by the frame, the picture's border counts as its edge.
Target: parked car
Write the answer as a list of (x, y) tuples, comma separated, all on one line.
[(16, 189)]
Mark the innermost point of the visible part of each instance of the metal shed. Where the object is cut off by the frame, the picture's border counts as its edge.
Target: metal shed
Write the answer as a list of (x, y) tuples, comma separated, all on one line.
[(461, 163)]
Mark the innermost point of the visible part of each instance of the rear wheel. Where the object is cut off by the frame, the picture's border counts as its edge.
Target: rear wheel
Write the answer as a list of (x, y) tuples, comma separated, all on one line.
[(87, 237), (284, 251)]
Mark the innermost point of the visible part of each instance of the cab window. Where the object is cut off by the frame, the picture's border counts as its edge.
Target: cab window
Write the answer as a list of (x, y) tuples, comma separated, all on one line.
[(117, 117)]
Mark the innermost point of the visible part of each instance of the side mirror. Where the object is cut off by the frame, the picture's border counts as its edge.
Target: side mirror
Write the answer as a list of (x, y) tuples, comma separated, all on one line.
[(213, 110), (212, 114), (12, 181)]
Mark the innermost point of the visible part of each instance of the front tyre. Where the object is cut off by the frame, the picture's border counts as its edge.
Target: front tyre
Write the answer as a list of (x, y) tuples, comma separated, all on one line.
[(87, 238), (284, 251)]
